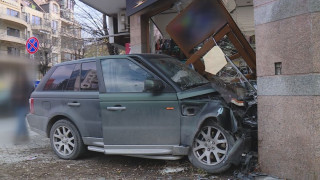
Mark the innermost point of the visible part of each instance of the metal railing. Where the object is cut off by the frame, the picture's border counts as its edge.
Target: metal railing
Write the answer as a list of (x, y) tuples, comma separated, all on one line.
[(44, 25)]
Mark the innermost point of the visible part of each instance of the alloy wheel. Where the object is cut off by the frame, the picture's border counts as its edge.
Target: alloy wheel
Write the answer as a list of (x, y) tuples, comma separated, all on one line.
[(210, 146), (63, 140)]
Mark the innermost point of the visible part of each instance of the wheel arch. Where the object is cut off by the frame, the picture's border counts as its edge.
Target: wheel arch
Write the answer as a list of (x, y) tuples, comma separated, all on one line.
[(225, 120), (208, 120), (56, 118)]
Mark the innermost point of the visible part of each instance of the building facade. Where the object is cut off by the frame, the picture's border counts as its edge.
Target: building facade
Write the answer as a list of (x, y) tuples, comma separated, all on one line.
[(143, 19), (51, 21)]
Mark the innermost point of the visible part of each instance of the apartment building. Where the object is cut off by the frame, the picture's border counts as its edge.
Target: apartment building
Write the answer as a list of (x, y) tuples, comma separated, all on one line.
[(51, 21)]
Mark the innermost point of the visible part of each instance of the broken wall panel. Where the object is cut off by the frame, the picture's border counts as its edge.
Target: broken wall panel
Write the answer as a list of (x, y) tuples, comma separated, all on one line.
[(202, 20), (196, 23)]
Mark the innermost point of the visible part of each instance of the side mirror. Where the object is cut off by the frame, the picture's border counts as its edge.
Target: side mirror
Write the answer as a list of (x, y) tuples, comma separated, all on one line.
[(153, 85)]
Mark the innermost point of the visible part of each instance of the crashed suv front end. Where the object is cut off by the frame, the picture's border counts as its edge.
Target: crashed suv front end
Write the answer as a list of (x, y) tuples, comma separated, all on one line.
[(217, 127)]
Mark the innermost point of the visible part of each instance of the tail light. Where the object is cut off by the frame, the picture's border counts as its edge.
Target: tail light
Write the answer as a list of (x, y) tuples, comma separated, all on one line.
[(31, 104)]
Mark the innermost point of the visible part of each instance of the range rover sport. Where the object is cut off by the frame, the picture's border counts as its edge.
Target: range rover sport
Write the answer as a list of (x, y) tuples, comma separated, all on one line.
[(149, 106)]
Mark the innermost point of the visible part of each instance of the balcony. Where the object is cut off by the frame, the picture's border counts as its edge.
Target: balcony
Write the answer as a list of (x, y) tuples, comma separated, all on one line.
[(66, 15), (67, 50), (20, 19), (19, 40), (45, 26), (11, 3), (70, 33)]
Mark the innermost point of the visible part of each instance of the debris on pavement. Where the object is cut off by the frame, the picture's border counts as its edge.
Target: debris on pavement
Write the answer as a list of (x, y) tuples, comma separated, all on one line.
[(32, 158), (256, 176), (250, 169), (168, 170)]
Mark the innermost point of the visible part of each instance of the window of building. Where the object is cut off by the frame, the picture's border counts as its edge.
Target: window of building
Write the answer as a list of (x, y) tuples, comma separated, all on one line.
[(13, 51), (54, 58), (28, 34), (12, 12), (54, 26), (36, 35), (59, 79), (36, 20), (55, 8), (70, 4), (28, 17), (122, 75), (55, 41), (13, 32), (66, 56), (89, 78)]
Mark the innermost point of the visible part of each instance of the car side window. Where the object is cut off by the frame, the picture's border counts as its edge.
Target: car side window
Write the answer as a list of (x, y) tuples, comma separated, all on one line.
[(59, 79), (89, 78), (122, 75), (74, 81)]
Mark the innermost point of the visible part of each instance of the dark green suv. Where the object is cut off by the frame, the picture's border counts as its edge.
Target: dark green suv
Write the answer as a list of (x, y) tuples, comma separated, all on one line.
[(150, 106)]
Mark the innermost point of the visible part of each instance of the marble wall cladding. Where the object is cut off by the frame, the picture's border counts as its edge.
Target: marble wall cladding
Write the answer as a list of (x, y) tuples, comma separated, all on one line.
[(289, 136), (293, 41), (287, 41), (287, 31), (273, 10), (261, 2), (289, 85)]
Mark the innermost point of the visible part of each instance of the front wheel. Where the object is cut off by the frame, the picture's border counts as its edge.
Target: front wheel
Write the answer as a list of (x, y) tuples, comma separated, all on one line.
[(210, 148), (65, 140)]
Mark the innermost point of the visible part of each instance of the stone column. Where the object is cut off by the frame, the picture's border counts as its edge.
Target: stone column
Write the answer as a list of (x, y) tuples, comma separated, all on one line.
[(288, 32), (138, 33)]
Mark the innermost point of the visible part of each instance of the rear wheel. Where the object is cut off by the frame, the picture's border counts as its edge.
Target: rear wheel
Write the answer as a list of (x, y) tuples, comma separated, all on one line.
[(210, 148), (65, 140)]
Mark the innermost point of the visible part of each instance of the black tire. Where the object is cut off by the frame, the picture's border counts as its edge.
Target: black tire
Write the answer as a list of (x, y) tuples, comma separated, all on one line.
[(61, 143), (217, 163)]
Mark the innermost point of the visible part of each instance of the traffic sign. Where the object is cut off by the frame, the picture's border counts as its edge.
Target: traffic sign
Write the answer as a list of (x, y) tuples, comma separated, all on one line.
[(32, 45)]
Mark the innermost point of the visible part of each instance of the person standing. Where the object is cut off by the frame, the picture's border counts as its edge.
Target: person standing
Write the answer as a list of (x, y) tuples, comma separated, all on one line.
[(20, 95)]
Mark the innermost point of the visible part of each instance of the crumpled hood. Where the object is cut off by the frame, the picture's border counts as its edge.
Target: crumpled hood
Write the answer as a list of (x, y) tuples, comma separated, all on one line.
[(198, 91)]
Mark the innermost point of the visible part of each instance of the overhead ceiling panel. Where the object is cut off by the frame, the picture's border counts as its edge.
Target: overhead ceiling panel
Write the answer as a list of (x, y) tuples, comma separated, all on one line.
[(244, 2), (162, 20), (106, 6)]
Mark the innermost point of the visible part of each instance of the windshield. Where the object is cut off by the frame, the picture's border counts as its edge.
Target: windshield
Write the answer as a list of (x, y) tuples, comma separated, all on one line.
[(183, 76)]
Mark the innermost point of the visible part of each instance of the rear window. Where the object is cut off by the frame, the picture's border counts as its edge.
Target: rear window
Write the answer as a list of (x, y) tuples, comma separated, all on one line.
[(74, 77), (89, 79), (59, 79), (74, 80)]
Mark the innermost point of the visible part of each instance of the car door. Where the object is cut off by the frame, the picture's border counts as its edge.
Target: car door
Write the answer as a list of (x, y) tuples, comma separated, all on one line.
[(132, 116), (72, 91), (83, 100)]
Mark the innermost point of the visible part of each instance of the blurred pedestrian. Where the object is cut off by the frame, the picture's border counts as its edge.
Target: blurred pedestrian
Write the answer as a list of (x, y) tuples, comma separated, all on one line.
[(20, 95)]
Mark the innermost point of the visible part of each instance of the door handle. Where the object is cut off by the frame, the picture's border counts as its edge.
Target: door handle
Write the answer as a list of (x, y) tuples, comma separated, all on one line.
[(116, 108), (74, 104)]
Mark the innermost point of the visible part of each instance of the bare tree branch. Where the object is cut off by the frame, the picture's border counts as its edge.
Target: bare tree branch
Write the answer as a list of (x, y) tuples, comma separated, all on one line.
[(94, 24)]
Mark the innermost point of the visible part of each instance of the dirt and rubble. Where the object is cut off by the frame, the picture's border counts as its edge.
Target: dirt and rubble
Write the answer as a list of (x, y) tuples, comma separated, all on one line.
[(36, 160)]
